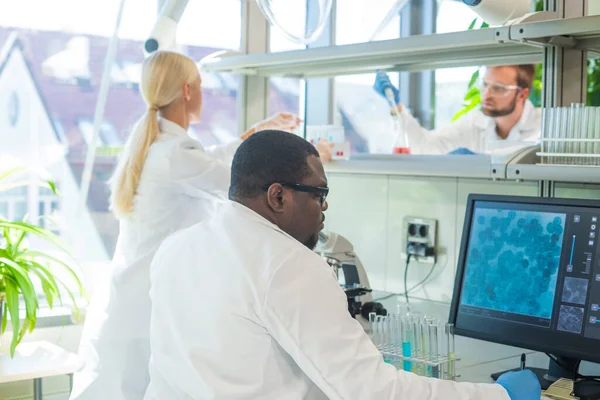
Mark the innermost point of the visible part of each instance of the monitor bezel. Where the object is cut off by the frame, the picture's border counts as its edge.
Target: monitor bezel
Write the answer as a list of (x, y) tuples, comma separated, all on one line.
[(460, 269)]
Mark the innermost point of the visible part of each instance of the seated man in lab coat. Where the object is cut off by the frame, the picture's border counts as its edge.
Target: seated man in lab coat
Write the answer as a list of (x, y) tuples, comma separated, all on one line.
[(507, 119), (242, 308)]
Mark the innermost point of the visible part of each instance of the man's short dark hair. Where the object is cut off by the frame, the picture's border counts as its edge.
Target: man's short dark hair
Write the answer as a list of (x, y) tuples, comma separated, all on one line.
[(267, 157)]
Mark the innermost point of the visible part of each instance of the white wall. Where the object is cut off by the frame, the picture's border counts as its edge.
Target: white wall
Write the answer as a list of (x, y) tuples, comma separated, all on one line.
[(369, 210), (33, 141)]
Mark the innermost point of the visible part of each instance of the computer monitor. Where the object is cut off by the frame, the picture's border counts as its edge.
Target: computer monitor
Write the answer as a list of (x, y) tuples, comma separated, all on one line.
[(528, 275)]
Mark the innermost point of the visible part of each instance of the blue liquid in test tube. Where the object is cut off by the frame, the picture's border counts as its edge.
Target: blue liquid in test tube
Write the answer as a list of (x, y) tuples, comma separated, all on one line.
[(407, 338)]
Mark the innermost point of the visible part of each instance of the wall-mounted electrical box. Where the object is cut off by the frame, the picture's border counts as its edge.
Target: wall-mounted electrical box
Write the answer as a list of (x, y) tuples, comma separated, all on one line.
[(420, 236)]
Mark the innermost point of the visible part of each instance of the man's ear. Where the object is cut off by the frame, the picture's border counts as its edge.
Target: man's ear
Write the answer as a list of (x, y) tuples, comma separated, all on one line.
[(525, 93), (276, 197)]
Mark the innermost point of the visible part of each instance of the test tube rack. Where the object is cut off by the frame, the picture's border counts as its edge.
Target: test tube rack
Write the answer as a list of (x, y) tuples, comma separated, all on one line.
[(423, 367), (414, 344), (570, 135)]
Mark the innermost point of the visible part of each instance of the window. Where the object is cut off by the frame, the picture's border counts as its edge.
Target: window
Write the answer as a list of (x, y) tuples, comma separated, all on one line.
[(56, 57), (363, 113), (451, 83), (287, 94), (13, 203)]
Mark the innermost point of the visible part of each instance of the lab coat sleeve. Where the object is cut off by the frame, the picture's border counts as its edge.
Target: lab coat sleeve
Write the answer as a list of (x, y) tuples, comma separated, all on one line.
[(197, 172), (225, 152), (306, 311), (442, 140)]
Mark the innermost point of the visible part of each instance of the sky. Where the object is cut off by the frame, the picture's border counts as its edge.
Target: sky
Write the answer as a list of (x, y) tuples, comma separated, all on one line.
[(218, 23)]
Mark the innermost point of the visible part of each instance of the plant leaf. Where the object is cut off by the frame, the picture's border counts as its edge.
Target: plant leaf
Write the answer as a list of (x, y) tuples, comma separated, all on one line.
[(49, 285), (4, 317), (6, 174), (12, 303), (474, 78), (35, 230), (472, 24), (65, 266), (472, 93), (23, 281)]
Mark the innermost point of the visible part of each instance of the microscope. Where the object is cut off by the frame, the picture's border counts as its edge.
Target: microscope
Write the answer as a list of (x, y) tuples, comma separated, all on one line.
[(338, 252)]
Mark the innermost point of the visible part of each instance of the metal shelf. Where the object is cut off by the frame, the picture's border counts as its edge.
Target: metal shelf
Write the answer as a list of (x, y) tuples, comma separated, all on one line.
[(557, 173), (406, 54), (461, 166), (520, 43)]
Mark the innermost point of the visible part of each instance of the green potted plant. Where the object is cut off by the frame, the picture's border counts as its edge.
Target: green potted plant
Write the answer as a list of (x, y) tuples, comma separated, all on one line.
[(21, 267)]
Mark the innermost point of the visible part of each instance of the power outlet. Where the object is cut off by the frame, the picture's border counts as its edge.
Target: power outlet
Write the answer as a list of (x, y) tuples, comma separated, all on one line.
[(421, 239)]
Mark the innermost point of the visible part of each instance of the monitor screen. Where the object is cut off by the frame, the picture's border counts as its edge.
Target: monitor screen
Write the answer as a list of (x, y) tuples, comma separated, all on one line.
[(529, 274)]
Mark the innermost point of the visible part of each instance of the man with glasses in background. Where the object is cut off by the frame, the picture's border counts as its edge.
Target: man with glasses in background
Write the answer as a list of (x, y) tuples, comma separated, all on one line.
[(507, 118)]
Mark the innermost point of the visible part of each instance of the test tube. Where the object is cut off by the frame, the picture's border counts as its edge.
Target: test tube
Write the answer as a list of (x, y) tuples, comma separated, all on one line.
[(576, 148), (441, 350), (433, 349), (372, 317), (450, 349), (548, 113), (407, 338), (586, 129), (592, 133), (415, 344), (564, 134), (420, 347), (425, 341), (377, 332)]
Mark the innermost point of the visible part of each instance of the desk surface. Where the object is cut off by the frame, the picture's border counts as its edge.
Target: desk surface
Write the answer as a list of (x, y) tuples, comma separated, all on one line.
[(36, 360)]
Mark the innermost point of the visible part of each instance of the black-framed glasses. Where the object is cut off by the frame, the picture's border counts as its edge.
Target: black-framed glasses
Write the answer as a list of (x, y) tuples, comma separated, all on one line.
[(322, 192)]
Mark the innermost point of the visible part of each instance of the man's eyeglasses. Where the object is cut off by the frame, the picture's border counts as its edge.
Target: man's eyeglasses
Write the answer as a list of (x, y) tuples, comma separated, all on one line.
[(322, 192), (498, 89)]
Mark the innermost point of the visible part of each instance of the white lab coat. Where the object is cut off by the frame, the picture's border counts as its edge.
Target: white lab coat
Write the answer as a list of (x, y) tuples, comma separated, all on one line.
[(179, 186), (474, 131), (241, 310)]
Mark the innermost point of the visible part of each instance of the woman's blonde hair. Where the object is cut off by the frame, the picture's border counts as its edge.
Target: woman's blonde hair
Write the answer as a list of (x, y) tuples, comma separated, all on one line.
[(164, 74)]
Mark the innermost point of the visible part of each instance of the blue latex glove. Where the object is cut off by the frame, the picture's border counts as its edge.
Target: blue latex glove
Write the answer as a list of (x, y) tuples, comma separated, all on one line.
[(382, 82), (462, 150), (522, 385)]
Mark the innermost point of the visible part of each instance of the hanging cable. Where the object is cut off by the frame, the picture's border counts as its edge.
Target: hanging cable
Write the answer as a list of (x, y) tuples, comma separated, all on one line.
[(324, 12), (88, 167)]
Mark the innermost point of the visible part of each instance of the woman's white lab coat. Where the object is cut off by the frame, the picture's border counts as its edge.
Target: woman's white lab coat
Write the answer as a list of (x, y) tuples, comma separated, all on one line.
[(241, 310), (474, 131), (180, 185)]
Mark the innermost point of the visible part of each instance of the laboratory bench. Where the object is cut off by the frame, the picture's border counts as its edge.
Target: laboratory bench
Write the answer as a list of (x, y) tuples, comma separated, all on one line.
[(478, 359)]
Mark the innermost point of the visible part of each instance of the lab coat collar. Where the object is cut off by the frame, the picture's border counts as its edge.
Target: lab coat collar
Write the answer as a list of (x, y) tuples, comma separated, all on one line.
[(166, 126), (527, 121), (253, 215)]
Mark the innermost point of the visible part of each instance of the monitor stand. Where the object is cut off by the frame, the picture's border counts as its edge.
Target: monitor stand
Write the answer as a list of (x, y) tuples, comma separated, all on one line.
[(554, 372)]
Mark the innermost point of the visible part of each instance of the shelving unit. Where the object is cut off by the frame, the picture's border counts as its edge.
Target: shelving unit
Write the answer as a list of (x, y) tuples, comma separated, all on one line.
[(558, 42), (521, 43)]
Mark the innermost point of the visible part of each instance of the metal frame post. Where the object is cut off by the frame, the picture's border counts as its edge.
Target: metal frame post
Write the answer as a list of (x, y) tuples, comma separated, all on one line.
[(417, 89), (253, 96), (319, 99), (565, 71)]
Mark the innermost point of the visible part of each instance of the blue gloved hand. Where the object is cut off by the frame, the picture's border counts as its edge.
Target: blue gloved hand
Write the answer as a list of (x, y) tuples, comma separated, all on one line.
[(522, 385), (382, 82), (462, 150)]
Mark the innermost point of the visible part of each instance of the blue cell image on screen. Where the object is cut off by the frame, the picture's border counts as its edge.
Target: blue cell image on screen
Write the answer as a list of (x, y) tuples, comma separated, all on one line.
[(513, 260)]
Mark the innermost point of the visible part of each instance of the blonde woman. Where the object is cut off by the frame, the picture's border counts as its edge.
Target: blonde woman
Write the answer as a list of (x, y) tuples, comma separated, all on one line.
[(164, 181)]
